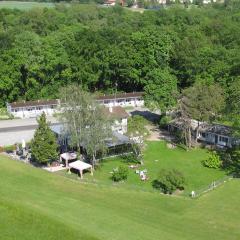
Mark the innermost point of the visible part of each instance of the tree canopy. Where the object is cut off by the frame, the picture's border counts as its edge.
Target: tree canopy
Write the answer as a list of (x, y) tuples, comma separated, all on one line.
[(160, 51), (44, 143)]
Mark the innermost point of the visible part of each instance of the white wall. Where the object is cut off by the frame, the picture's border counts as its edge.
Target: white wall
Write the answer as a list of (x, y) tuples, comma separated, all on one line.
[(24, 113), (134, 102), (120, 126)]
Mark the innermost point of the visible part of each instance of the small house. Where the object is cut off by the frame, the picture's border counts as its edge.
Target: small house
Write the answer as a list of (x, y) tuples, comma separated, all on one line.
[(119, 118), (214, 134)]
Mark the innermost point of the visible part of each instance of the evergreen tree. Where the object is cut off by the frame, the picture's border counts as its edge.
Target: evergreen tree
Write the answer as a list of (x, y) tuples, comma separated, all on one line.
[(44, 145)]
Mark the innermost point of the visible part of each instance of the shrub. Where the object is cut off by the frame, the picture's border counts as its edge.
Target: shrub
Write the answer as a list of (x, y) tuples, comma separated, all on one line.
[(137, 126), (1, 149), (120, 173), (169, 180), (9, 148), (164, 121), (130, 158), (213, 161)]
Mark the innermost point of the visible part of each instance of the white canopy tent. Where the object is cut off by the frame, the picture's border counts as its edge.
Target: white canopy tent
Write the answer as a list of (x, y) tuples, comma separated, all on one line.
[(68, 156), (80, 165)]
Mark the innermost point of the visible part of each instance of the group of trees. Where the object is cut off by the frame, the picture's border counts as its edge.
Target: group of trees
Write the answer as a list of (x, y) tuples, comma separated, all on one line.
[(160, 52), (84, 123), (174, 55), (202, 102)]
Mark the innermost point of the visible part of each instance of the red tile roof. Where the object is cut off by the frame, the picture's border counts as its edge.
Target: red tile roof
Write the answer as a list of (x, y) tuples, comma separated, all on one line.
[(117, 112)]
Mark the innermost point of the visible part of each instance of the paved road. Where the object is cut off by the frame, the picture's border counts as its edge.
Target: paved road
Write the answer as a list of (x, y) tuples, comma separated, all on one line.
[(13, 131), (146, 113), (22, 122)]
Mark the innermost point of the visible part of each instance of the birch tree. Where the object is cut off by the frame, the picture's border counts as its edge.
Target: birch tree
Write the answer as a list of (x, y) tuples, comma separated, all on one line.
[(84, 121), (96, 133)]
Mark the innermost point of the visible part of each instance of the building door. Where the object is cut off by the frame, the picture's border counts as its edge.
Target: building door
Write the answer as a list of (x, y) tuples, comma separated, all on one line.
[(216, 139)]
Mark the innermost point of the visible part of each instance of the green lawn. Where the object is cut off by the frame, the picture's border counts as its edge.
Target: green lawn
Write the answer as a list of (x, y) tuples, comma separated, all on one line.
[(24, 5), (158, 156), (35, 204)]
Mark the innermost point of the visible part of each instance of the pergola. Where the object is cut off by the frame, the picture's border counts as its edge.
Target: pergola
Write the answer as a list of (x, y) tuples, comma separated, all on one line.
[(68, 156), (80, 166)]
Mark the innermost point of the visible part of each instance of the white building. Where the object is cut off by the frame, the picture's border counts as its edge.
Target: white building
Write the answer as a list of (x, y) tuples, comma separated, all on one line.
[(134, 99), (119, 117), (214, 134), (32, 109), (187, 1)]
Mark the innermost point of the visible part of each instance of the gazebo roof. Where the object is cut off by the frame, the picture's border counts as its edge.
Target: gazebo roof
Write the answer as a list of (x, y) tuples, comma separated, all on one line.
[(68, 156), (80, 165)]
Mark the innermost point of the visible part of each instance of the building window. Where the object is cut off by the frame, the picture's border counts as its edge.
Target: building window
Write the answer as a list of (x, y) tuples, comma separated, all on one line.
[(203, 135), (223, 139)]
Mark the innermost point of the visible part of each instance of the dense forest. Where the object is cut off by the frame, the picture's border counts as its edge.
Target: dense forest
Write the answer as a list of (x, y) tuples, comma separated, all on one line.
[(160, 52)]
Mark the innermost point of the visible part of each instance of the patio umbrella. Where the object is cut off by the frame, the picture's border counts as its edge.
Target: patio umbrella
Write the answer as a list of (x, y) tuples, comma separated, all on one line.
[(23, 144)]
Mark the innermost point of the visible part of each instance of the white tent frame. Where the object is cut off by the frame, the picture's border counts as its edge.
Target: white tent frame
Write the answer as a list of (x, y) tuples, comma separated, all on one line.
[(80, 166)]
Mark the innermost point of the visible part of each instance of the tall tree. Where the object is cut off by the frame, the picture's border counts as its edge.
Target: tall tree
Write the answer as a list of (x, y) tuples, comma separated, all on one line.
[(84, 121), (234, 96), (161, 89), (75, 105), (201, 102), (96, 133), (44, 143)]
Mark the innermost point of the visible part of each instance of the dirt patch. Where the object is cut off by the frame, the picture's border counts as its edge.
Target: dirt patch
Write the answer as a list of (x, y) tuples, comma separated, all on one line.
[(157, 134)]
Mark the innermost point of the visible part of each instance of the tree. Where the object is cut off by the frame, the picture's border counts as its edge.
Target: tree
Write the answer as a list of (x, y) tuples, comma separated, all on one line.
[(161, 89), (234, 96), (137, 146), (235, 151), (201, 102), (137, 126), (130, 3), (169, 180), (213, 161), (97, 131), (75, 105), (120, 173), (44, 144), (84, 121)]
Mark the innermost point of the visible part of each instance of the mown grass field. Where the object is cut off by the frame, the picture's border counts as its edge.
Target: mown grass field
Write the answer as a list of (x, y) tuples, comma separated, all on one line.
[(35, 204), (156, 157), (25, 5)]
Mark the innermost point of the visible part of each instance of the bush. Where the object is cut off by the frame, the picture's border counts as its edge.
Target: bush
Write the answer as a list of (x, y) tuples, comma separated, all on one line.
[(130, 158), (120, 173), (9, 149), (169, 181), (1, 149), (213, 161), (164, 121), (137, 126)]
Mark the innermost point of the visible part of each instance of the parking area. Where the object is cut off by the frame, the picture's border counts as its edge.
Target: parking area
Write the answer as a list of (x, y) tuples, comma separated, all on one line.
[(13, 131)]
